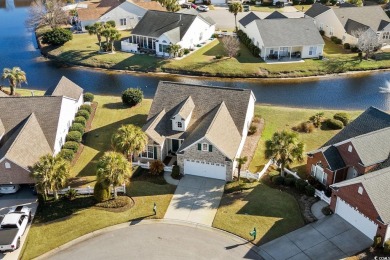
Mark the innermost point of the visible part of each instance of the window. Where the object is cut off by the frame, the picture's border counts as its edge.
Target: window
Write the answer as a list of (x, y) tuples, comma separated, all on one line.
[(7, 165), (271, 51), (321, 26), (205, 147), (331, 31), (162, 48), (343, 37), (149, 152), (318, 173), (200, 36), (313, 50), (122, 21), (350, 148), (360, 190), (179, 124), (386, 35)]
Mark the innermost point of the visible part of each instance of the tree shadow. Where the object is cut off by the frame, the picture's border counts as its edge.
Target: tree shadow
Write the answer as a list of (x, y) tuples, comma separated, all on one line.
[(115, 106), (141, 62), (77, 56)]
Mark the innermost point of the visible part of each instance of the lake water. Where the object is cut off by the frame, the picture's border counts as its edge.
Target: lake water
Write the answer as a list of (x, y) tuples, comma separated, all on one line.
[(18, 48)]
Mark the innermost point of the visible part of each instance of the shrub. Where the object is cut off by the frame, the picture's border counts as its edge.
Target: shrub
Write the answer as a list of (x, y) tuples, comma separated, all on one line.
[(156, 167), (101, 193), (336, 40), (111, 23), (218, 57), (305, 127), (322, 32), (176, 172), (248, 43), (334, 124), (186, 51), (317, 119), (57, 36), (74, 146), (310, 190), (87, 108), (295, 2), (74, 136), (289, 181), (354, 49), (278, 180), (343, 117), (326, 211), (71, 194), (377, 241), (256, 119), (386, 247), (347, 46), (300, 185), (132, 96), (252, 129), (80, 120), (77, 127), (333, 2), (324, 2), (83, 113), (88, 97), (66, 154), (119, 202)]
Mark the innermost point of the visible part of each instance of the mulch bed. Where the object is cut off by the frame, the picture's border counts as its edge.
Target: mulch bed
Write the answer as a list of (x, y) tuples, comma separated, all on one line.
[(121, 209), (251, 143)]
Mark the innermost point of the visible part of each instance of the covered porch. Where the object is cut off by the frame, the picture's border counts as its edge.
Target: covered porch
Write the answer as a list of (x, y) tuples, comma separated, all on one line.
[(283, 54)]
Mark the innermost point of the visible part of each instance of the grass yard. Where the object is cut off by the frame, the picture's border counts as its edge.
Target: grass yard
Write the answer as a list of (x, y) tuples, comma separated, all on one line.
[(305, 7), (279, 118), (272, 212)]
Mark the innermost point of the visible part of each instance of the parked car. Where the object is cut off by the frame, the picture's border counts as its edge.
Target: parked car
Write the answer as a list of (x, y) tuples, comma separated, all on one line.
[(9, 188), (12, 227), (246, 8), (186, 5), (194, 6), (203, 8)]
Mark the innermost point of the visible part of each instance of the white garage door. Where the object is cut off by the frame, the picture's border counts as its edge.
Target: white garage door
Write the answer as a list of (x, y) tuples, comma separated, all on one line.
[(205, 169), (216, 2), (358, 220)]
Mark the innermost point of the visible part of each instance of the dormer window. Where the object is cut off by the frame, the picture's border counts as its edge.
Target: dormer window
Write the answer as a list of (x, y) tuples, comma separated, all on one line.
[(350, 148), (205, 147), (360, 190), (179, 124), (7, 165)]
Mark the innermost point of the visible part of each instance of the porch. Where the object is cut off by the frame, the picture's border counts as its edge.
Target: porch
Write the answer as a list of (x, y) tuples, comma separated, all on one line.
[(286, 54)]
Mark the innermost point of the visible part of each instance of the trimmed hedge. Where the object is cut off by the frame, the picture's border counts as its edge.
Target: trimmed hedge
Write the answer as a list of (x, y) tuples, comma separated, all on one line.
[(343, 117), (66, 154), (71, 145), (336, 40), (132, 96), (289, 181), (347, 46), (88, 97), (74, 136), (334, 124), (278, 180), (77, 127), (86, 107), (80, 120), (248, 43), (83, 113), (310, 190), (101, 193), (57, 36), (386, 247), (176, 172), (300, 185)]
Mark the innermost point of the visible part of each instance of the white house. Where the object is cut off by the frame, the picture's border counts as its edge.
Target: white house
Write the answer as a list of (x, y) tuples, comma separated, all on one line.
[(343, 22), (126, 14), (203, 128), (283, 37), (157, 30), (31, 127)]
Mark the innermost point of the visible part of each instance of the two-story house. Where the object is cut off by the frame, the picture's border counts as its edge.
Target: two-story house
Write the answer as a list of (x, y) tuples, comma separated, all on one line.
[(203, 127)]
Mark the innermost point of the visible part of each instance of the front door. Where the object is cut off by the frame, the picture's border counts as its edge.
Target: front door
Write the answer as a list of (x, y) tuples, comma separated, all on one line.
[(175, 145)]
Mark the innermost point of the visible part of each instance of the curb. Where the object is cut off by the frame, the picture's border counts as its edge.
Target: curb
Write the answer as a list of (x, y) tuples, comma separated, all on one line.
[(96, 233)]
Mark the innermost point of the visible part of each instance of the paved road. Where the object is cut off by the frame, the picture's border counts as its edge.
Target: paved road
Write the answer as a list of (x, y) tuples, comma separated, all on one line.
[(159, 241), (196, 199), (327, 239)]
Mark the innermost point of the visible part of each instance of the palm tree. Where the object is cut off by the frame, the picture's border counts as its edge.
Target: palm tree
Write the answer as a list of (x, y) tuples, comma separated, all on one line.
[(96, 29), (15, 76), (317, 119), (111, 34), (173, 49), (171, 5), (241, 161), (284, 148), (50, 173), (235, 8), (129, 139), (113, 169)]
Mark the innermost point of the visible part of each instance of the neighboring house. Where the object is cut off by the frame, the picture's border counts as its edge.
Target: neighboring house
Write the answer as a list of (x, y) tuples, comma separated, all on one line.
[(361, 147), (204, 126), (157, 30), (126, 14), (344, 22), (281, 37), (31, 127), (364, 202)]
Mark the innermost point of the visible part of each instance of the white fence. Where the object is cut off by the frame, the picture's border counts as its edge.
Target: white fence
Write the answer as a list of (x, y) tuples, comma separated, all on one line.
[(128, 46), (147, 166), (256, 176), (292, 173), (322, 196), (88, 190)]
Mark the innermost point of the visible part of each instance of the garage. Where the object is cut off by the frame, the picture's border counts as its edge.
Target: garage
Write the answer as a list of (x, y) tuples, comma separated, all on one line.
[(205, 169), (355, 218), (218, 2)]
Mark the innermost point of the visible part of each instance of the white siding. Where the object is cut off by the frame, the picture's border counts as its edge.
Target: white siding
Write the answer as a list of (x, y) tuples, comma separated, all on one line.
[(329, 22), (248, 120), (253, 33), (199, 32), (177, 120), (129, 11), (306, 51)]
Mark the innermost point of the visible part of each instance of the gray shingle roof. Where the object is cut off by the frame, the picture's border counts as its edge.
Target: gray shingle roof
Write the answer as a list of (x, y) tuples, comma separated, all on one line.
[(371, 16), (352, 26), (66, 88), (275, 15), (376, 184), (370, 120), (289, 32), (2, 129), (346, 5), (150, 128), (185, 108), (383, 24), (333, 158), (316, 9), (16, 174), (156, 23), (247, 19)]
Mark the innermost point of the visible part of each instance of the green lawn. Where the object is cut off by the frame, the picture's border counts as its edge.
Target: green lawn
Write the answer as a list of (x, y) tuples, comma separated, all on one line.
[(272, 212), (279, 118), (299, 7)]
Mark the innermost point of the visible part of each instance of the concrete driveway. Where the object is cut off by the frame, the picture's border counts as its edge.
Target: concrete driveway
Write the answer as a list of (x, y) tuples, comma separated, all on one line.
[(23, 197), (196, 199), (329, 238)]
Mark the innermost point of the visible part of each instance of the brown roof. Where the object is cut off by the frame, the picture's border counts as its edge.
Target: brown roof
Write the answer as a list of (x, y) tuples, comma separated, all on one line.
[(97, 8), (14, 174), (66, 88), (149, 5)]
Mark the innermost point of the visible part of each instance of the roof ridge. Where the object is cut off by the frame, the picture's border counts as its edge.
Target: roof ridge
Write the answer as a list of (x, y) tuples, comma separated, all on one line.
[(369, 133), (203, 86), (154, 119)]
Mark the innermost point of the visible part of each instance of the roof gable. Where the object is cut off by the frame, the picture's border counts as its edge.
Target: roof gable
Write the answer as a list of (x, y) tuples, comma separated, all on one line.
[(66, 88), (316, 9), (149, 5), (185, 108), (96, 9), (247, 19), (334, 158), (275, 15), (352, 26)]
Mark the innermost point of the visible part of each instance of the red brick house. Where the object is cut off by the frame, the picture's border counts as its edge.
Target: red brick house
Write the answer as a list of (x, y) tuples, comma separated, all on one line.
[(364, 202), (359, 148)]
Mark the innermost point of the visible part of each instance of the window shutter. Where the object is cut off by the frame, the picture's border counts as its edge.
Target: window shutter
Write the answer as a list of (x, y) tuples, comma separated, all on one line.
[(210, 148), (155, 152), (199, 147)]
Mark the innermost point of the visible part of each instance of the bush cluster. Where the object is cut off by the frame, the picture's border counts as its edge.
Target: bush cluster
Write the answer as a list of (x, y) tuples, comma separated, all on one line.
[(71, 145), (119, 202), (300, 185), (252, 129), (354, 49), (186, 51), (289, 181), (80, 120), (386, 247), (278, 180), (88, 97), (347, 46), (132, 96), (66, 154), (86, 107), (73, 136), (57, 36), (336, 40), (176, 172), (156, 167), (101, 193), (248, 43), (322, 32), (377, 241), (310, 190), (343, 117), (334, 124), (304, 127), (218, 57), (83, 113), (77, 127)]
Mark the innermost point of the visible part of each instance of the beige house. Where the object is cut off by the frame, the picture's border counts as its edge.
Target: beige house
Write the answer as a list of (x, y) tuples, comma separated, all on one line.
[(202, 128), (344, 22)]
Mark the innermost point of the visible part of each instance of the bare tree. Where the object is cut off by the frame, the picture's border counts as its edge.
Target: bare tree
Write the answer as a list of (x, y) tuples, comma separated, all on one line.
[(46, 12), (367, 41), (231, 45)]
